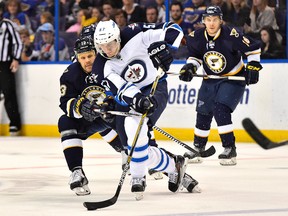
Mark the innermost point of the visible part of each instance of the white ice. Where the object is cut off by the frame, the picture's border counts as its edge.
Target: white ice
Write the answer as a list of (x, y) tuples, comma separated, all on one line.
[(34, 182)]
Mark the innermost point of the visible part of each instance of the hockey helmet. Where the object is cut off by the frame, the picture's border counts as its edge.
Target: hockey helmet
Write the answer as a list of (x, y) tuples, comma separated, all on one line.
[(106, 32), (84, 44), (88, 31), (212, 11)]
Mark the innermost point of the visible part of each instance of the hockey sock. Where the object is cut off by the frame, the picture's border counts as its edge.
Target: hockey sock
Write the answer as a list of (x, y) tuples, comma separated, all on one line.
[(160, 160), (222, 115), (202, 129), (111, 137)]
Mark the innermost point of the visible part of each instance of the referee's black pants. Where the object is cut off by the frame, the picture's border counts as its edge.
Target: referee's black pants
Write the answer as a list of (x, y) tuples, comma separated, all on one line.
[(8, 87)]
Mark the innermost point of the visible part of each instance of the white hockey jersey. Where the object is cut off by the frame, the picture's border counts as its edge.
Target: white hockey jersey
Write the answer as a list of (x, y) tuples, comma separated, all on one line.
[(125, 75)]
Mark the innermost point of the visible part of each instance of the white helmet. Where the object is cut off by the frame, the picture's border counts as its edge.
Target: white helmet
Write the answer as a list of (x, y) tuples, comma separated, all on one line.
[(105, 32)]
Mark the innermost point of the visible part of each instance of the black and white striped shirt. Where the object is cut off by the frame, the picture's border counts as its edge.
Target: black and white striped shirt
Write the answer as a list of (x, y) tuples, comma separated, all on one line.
[(10, 42)]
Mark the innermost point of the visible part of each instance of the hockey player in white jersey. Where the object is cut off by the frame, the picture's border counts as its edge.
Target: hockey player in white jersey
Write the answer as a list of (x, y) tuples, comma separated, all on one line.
[(127, 67)]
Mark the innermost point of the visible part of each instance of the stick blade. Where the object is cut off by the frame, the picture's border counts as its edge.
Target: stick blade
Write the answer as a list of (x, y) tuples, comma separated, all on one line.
[(255, 133), (209, 152), (259, 137), (97, 205)]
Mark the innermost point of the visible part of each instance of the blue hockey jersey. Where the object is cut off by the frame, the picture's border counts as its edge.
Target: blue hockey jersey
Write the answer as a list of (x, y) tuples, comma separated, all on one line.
[(222, 54)]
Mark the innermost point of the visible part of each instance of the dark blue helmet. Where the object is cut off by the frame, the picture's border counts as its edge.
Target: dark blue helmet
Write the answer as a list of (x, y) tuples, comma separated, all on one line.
[(213, 11), (88, 31), (84, 44)]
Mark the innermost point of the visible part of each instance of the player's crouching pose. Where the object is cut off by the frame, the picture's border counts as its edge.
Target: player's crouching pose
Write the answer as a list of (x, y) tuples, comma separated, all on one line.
[(79, 95), (218, 48), (128, 72)]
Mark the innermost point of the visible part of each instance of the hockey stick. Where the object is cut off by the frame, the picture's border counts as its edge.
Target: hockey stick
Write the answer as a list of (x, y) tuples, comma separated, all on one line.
[(241, 78), (111, 201), (127, 114), (207, 153), (259, 137), (204, 154)]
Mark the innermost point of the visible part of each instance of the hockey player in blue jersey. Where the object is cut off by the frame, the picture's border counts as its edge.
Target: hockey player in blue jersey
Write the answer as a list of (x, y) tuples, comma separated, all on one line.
[(80, 94), (124, 67), (219, 50)]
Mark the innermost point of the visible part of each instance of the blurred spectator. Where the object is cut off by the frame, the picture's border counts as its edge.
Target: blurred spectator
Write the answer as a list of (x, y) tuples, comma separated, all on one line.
[(220, 3), (261, 14), (192, 16), (46, 17), (161, 11), (108, 9), (151, 14), (146, 3), (84, 18), (176, 10), (45, 47), (15, 14), (49, 6), (135, 13), (270, 48), (237, 14), (77, 27), (87, 18), (95, 12), (120, 17), (28, 53)]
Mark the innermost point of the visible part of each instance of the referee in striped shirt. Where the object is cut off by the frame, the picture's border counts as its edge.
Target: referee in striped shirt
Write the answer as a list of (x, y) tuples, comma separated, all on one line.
[(10, 54)]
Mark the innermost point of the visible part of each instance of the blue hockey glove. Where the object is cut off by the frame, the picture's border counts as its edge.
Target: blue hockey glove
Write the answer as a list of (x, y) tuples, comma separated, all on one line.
[(160, 55), (108, 105), (187, 72), (84, 107), (252, 72), (143, 103)]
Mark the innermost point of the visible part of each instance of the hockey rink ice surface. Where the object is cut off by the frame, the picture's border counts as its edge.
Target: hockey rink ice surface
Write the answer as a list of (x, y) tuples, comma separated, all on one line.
[(34, 181)]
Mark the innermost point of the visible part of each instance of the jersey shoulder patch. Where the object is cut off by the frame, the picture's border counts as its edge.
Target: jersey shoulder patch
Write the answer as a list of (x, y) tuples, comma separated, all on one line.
[(234, 33)]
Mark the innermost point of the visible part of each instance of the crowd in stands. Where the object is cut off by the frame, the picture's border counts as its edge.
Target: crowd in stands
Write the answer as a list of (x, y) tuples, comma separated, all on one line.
[(264, 20)]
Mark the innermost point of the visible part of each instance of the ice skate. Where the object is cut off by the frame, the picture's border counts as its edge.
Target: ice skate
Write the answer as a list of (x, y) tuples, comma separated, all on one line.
[(79, 182), (138, 187), (14, 131), (192, 158), (190, 184), (155, 174), (228, 157), (175, 178)]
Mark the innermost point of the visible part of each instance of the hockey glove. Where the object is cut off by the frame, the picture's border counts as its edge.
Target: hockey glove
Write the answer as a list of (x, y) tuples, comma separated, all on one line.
[(143, 103), (84, 107), (252, 72), (187, 72), (160, 55), (108, 105)]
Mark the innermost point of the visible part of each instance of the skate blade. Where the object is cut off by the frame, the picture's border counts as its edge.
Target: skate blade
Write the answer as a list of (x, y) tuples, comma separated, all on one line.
[(157, 175), (139, 195), (182, 174), (82, 191), (228, 162), (196, 160)]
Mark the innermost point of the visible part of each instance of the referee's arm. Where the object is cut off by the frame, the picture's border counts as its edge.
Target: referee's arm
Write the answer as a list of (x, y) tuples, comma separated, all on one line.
[(17, 44)]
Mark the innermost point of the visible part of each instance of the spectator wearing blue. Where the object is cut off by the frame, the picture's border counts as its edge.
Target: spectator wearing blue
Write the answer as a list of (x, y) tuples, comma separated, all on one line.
[(15, 14), (45, 47)]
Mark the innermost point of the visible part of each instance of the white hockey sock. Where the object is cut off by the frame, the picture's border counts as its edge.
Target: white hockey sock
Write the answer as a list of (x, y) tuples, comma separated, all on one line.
[(138, 164), (159, 160)]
